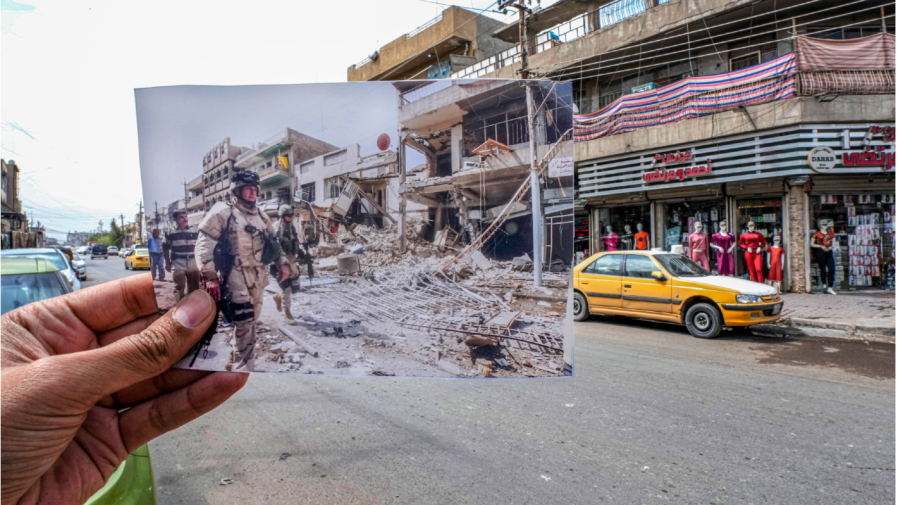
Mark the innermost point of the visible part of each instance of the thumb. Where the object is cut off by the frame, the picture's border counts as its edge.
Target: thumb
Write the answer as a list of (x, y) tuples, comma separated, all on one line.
[(139, 357)]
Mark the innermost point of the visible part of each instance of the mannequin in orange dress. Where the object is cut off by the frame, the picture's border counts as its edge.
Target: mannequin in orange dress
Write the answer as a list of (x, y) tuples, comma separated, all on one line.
[(775, 257)]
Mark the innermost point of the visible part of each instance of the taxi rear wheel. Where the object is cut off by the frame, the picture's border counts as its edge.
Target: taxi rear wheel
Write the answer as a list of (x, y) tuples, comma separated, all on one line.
[(703, 321), (581, 309)]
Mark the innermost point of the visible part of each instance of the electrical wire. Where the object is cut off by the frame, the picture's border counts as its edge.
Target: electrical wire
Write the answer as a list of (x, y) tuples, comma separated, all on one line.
[(713, 45)]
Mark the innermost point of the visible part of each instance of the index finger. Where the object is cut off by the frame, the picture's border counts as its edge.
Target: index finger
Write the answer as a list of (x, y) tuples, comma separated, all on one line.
[(113, 304)]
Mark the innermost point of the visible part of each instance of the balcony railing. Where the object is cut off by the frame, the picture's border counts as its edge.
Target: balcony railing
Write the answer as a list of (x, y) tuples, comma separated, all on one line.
[(425, 91)]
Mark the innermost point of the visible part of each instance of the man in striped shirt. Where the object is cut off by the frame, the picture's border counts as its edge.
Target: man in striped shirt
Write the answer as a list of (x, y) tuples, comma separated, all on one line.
[(178, 247)]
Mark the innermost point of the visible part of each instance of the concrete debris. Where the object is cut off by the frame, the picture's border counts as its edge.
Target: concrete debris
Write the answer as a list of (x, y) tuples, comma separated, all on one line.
[(481, 261), (348, 263), (327, 264), (522, 264)]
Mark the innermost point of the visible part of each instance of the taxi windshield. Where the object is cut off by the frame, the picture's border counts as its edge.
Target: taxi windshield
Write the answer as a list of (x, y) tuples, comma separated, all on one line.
[(681, 266)]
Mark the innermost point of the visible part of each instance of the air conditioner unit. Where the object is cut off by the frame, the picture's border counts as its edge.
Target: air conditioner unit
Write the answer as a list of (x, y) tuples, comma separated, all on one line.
[(470, 164)]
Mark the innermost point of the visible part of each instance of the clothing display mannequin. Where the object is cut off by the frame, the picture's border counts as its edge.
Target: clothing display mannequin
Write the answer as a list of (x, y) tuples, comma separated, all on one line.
[(642, 238), (775, 263), (627, 238), (822, 244), (724, 242), (753, 243), (698, 246), (611, 239)]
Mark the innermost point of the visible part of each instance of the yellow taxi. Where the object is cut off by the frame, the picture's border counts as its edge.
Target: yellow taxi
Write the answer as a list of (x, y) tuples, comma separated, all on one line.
[(139, 258), (670, 287)]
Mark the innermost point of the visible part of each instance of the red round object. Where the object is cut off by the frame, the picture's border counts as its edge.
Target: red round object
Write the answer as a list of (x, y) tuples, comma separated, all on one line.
[(383, 142)]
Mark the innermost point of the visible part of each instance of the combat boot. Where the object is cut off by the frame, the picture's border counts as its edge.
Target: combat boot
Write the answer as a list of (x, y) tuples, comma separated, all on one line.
[(277, 301)]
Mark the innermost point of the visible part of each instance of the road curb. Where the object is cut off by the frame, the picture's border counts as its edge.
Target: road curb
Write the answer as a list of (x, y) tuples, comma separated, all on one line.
[(815, 328)]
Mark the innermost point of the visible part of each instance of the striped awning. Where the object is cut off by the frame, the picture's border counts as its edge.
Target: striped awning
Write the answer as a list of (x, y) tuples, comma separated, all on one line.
[(874, 52)]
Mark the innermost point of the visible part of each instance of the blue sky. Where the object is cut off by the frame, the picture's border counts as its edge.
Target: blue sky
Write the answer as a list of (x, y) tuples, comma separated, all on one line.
[(69, 70)]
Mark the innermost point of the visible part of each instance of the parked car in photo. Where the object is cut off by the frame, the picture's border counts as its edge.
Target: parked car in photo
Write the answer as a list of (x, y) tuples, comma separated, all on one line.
[(99, 251), (80, 267), (54, 256), (125, 252), (25, 280), (138, 258), (670, 287), (113, 250)]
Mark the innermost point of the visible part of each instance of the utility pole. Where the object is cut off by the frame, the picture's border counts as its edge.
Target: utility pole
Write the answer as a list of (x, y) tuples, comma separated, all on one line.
[(535, 204), (400, 161), (122, 217), (140, 222)]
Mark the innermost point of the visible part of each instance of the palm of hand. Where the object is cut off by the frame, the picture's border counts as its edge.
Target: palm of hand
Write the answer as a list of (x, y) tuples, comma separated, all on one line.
[(71, 365)]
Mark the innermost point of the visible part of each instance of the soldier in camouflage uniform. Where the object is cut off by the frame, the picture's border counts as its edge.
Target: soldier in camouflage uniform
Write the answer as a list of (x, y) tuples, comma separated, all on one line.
[(288, 237), (244, 227), (178, 249)]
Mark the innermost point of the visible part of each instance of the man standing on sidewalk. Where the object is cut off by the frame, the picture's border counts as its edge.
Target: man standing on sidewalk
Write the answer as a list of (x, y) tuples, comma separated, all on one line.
[(157, 262)]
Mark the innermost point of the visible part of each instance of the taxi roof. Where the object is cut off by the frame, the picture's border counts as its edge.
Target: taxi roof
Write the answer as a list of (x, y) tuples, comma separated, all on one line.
[(25, 266)]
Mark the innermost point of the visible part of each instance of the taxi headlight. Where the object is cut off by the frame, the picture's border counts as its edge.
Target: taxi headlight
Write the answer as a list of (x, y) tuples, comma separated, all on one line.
[(748, 299)]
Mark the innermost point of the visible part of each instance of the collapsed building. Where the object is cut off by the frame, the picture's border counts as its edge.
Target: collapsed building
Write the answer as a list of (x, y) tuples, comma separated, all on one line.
[(426, 270)]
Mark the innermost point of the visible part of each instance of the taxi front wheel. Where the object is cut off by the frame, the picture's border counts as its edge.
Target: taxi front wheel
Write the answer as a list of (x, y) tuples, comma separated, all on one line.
[(581, 310), (703, 321)]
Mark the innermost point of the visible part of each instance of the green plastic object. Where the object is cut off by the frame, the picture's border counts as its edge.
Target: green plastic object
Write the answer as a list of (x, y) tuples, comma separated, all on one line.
[(132, 483), (25, 266)]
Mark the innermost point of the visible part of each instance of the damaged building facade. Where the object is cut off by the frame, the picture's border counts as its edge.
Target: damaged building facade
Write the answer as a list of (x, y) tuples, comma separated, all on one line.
[(474, 136)]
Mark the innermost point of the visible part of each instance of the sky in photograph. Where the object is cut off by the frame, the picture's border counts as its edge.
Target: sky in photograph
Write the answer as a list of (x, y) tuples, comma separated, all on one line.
[(178, 125), (70, 68)]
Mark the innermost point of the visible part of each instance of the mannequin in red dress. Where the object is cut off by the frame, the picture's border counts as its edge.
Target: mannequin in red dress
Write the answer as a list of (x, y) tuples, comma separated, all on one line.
[(775, 263), (753, 243)]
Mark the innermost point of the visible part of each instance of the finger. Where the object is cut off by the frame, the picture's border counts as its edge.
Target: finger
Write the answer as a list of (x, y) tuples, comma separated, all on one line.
[(135, 326), (166, 382), (68, 323), (109, 369), (146, 421)]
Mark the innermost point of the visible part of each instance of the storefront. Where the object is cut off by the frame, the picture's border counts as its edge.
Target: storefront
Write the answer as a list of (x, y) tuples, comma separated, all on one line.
[(766, 178)]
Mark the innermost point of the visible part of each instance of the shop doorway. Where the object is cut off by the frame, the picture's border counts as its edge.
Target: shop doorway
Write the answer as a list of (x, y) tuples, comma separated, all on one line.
[(619, 227), (864, 226), (767, 214), (679, 220)]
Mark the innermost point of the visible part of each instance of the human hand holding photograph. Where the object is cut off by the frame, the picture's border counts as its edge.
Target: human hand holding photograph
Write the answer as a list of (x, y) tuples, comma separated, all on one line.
[(87, 380), (370, 228)]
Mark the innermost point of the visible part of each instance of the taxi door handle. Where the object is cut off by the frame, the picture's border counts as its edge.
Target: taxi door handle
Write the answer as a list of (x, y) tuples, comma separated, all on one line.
[(627, 286)]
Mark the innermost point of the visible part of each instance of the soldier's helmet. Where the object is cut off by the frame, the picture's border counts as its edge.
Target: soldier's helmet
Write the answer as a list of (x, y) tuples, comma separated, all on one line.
[(285, 210), (244, 178)]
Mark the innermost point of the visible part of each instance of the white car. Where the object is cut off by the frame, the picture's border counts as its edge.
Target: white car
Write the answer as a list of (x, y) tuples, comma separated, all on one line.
[(80, 267), (54, 256), (113, 250)]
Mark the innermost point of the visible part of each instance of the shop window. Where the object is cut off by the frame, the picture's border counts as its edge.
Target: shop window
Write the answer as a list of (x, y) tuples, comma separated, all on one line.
[(864, 230), (745, 61), (619, 225), (680, 218), (640, 267), (767, 214)]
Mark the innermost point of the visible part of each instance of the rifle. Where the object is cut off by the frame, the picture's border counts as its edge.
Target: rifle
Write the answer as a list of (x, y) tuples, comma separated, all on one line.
[(224, 262)]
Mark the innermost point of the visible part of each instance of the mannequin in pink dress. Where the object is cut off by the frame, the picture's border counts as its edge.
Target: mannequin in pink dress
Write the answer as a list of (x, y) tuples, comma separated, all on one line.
[(611, 239), (724, 242), (698, 246)]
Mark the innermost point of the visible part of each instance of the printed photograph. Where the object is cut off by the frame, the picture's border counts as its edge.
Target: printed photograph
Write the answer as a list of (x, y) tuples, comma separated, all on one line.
[(405, 229)]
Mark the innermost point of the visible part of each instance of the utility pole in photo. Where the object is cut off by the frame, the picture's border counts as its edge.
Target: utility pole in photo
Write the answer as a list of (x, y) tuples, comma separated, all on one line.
[(535, 207), (122, 217), (140, 223)]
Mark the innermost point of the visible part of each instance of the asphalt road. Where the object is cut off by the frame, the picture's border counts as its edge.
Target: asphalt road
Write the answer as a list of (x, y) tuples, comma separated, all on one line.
[(100, 270), (651, 416)]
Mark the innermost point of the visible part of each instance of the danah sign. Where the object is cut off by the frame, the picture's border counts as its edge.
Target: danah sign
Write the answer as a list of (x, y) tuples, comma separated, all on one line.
[(821, 159)]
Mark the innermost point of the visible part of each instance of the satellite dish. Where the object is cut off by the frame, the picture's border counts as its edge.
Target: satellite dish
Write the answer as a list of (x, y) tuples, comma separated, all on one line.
[(383, 142)]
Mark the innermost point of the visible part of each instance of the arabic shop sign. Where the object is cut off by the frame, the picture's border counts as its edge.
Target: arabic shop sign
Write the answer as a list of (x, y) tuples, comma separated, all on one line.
[(676, 174), (561, 167), (675, 157), (871, 157)]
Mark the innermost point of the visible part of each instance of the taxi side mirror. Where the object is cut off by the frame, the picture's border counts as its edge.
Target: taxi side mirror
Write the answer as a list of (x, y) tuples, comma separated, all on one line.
[(659, 276)]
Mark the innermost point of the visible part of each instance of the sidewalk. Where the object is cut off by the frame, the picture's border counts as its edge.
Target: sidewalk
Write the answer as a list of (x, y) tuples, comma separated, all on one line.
[(857, 315)]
